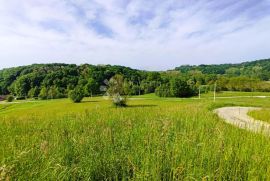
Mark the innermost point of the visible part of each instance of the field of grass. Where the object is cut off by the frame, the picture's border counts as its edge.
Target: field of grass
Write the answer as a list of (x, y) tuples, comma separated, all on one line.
[(151, 139), (263, 115)]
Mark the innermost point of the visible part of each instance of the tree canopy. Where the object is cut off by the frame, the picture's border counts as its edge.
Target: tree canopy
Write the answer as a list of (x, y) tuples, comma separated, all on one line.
[(50, 81)]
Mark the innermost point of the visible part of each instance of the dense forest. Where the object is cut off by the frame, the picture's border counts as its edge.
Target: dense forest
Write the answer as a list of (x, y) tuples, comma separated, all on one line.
[(255, 69), (49, 81)]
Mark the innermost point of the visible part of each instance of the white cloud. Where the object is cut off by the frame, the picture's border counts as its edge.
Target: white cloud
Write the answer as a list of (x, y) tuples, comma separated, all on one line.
[(146, 34)]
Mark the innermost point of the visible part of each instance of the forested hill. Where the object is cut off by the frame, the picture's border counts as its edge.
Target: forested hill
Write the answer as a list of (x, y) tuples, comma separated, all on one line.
[(29, 80), (48, 81), (258, 68)]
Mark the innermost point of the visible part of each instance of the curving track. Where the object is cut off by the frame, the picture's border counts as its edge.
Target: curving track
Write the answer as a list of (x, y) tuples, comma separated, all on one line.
[(237, 116)]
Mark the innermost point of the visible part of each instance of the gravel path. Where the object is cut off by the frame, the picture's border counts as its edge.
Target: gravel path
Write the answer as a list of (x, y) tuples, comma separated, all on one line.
[(237, 116)]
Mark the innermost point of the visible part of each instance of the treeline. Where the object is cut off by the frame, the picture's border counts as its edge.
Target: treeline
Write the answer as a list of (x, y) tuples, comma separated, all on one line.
[(244, 84), (50, 81), (177, 87), (259, 69)]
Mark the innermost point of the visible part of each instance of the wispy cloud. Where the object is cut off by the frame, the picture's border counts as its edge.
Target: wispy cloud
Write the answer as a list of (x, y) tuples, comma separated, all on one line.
[(143, 34)]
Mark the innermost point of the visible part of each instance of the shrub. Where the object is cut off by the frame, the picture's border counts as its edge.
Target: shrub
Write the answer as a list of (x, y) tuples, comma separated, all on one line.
[(120, 101), (76, 95), (118, 90), (10, 98)]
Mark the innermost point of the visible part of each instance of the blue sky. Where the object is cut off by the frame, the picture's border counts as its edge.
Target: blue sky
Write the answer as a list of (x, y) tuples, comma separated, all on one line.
[(151, 35)]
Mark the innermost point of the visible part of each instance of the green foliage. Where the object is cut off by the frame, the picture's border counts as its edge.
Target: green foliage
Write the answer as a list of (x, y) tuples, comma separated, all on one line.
[(76, 95), (33, 92), (149, 86), (135, 90), (163, 90), (22, 86), (179, 88), (176, 87), (43, 93), (55, 93), (256, 69), (10, 98), (118, 90), (241, 83), (59, 79), (204, 89), (91, 87)]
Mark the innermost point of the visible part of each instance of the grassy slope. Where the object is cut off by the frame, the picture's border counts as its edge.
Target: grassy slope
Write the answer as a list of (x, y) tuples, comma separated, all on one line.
[(152, 139)]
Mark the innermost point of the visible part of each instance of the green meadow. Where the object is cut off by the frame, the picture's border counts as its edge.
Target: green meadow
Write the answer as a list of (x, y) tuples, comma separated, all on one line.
[(151, 139), (263, 114)]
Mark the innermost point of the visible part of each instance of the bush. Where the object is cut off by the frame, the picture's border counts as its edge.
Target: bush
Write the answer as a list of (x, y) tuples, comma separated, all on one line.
[(118, 90), (119, 101), (10, 98), (76, 95)]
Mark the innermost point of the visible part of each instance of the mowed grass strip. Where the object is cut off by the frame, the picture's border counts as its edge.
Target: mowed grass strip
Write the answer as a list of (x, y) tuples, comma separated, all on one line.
[(155, 139)]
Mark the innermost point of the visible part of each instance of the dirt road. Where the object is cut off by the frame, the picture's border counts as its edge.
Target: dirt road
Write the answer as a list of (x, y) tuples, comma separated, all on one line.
[(237, 116)]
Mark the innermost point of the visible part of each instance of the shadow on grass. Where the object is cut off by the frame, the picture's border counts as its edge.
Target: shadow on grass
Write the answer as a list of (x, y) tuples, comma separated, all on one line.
[(141, 105), (88, 101)]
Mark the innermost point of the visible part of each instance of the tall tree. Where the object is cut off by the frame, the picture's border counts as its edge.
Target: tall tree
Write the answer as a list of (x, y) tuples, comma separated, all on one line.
[(91, 87)]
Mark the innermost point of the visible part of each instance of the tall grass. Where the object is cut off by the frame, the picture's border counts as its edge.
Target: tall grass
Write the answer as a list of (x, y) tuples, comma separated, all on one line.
[(149, 140)]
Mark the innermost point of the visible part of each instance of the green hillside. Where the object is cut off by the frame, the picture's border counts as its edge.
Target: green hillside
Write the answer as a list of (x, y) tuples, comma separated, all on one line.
[(259, 69), (49, 81)]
